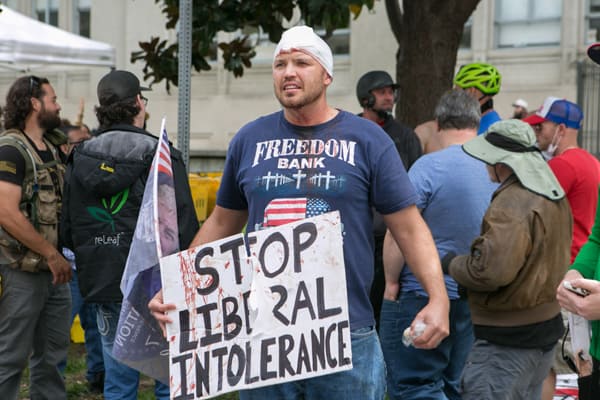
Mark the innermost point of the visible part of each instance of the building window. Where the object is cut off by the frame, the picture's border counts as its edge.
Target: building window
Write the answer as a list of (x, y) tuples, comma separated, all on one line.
[(11, 4), (524, 23), (593, 21), (339, 41), (465, 39), (81, 15), (47, 11)]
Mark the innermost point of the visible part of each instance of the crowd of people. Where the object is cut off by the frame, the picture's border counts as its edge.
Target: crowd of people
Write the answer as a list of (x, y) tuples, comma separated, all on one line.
[(461, 234)]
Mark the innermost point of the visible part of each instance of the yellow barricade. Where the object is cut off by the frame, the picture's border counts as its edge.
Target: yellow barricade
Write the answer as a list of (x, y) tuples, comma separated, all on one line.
[(204, 186)]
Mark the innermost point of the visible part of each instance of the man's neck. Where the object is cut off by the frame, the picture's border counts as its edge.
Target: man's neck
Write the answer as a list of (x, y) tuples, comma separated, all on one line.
[(372, 115), (139, 120), (310, 115), (35, 132), (449, 137), (566, 143)]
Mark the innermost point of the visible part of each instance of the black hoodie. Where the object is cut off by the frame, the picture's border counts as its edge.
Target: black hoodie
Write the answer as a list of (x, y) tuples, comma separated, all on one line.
[(104, 186)]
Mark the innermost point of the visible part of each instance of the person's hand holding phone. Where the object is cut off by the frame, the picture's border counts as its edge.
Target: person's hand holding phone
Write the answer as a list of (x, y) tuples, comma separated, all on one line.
[(580, 296), (575, 289)]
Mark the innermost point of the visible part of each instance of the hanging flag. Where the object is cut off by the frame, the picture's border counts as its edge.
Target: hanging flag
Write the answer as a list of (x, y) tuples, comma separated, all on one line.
[(138, 341)]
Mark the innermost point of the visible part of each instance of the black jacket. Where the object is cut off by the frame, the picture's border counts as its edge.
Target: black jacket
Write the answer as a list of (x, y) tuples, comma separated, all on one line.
[(105, 183), (406, 141), (409, 148)]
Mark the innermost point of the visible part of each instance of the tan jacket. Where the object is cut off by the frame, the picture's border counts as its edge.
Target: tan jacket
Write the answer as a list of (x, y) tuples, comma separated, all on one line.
[(519, 259)]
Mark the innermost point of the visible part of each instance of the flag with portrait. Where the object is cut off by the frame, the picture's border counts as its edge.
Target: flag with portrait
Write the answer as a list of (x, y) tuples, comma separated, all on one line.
[(138, 341)]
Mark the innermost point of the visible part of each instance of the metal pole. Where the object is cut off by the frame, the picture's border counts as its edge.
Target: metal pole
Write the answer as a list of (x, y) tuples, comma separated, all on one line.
[(184, 70), (581, 99)]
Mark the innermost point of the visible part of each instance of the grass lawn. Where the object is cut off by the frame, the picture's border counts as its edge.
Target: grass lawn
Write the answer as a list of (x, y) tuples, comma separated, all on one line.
[(77, 384)]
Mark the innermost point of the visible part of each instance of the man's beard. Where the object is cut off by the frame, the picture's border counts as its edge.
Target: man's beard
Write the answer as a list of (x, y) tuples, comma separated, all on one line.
[(310, 95), (519, 114), (48, 121), (298, 103)]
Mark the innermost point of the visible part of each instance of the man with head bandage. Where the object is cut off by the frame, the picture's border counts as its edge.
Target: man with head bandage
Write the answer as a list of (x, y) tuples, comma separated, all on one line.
[(367, 173)]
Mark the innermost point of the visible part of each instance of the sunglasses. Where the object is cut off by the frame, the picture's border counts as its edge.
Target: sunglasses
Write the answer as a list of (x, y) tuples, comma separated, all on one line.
[(34, 82), (145, 100)]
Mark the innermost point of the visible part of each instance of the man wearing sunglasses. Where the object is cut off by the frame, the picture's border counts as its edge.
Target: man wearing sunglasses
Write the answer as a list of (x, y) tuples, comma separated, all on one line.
[(103, 193), (35, 300)]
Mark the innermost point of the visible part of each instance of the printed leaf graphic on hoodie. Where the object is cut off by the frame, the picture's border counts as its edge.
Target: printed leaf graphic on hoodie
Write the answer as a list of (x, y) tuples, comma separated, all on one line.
[(111, 208)]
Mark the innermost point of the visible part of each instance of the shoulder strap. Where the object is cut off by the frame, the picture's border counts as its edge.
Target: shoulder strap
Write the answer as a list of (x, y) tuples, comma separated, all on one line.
[(13, 137)]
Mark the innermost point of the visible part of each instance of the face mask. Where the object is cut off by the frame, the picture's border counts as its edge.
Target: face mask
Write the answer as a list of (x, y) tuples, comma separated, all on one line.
[(549, 152)]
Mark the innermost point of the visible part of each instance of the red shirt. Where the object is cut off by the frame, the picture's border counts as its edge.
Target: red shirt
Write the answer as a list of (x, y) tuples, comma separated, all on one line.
[(579, 175)]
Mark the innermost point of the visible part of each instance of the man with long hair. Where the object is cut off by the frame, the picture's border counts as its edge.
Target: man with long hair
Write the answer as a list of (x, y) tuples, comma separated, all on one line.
[(35, 300)]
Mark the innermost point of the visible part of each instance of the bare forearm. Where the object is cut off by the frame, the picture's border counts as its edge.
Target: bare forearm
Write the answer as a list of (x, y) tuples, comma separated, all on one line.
[(416, 243), (393, 259), (429, 271), (418, 248), (21, 229)]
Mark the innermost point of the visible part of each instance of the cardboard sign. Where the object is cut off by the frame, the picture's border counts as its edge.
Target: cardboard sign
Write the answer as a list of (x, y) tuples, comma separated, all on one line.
[(278, 315)]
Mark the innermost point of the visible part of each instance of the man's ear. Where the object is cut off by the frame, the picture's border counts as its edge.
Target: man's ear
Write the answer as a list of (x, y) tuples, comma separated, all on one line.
[(562, 130), (36, 104)]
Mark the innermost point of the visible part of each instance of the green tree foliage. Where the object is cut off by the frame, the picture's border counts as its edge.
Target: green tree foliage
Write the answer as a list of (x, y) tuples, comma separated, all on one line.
[(211, 16), (428, 34)]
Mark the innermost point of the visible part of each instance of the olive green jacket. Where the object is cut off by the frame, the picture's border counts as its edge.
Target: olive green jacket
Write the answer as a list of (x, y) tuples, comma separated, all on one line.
[(519, 259)]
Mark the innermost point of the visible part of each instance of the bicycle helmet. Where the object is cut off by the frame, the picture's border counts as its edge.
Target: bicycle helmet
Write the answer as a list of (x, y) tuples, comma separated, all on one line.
[(369, 81), (484, 77)]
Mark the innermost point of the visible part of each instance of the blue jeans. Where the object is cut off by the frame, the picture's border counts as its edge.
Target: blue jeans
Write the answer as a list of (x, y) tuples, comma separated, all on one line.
[(424, 374), (501, 372), (87, 317), (120, 382), (365, 381)]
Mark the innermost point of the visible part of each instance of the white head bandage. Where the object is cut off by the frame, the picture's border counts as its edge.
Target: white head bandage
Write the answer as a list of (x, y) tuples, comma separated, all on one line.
[(304, 39)]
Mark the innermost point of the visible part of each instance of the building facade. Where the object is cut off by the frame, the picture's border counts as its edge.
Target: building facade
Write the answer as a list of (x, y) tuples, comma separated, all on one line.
[(535, 44)]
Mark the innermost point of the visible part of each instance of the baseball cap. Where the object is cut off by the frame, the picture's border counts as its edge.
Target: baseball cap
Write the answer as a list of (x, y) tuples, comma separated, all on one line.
[(559, 111), (512, 142), (304, 39), (118, 85), (520, 103), (593, 52)]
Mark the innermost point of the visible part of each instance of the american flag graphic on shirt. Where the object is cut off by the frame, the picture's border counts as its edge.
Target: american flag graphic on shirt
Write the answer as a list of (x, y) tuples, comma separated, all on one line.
[(283, 211)]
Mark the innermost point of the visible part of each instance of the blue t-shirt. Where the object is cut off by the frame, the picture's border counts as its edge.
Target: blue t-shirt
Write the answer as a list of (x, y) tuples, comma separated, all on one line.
[(487, 120), (454, 192), (348, 164)]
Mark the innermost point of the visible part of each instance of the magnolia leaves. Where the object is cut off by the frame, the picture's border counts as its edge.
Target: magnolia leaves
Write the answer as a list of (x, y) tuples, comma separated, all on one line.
[(256, 18)]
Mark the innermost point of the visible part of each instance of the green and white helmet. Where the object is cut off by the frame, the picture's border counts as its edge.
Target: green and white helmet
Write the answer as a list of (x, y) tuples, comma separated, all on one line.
[(484, 77)]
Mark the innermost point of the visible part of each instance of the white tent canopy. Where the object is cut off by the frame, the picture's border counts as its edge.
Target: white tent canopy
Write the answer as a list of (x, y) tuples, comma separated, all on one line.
[(25, 42)]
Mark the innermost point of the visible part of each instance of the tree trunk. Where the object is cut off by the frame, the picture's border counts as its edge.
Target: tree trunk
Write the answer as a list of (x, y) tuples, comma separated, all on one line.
[(428, 33)]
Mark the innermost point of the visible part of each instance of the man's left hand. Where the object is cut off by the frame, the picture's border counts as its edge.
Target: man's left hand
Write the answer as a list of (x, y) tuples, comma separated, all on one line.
[(60, 268)]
